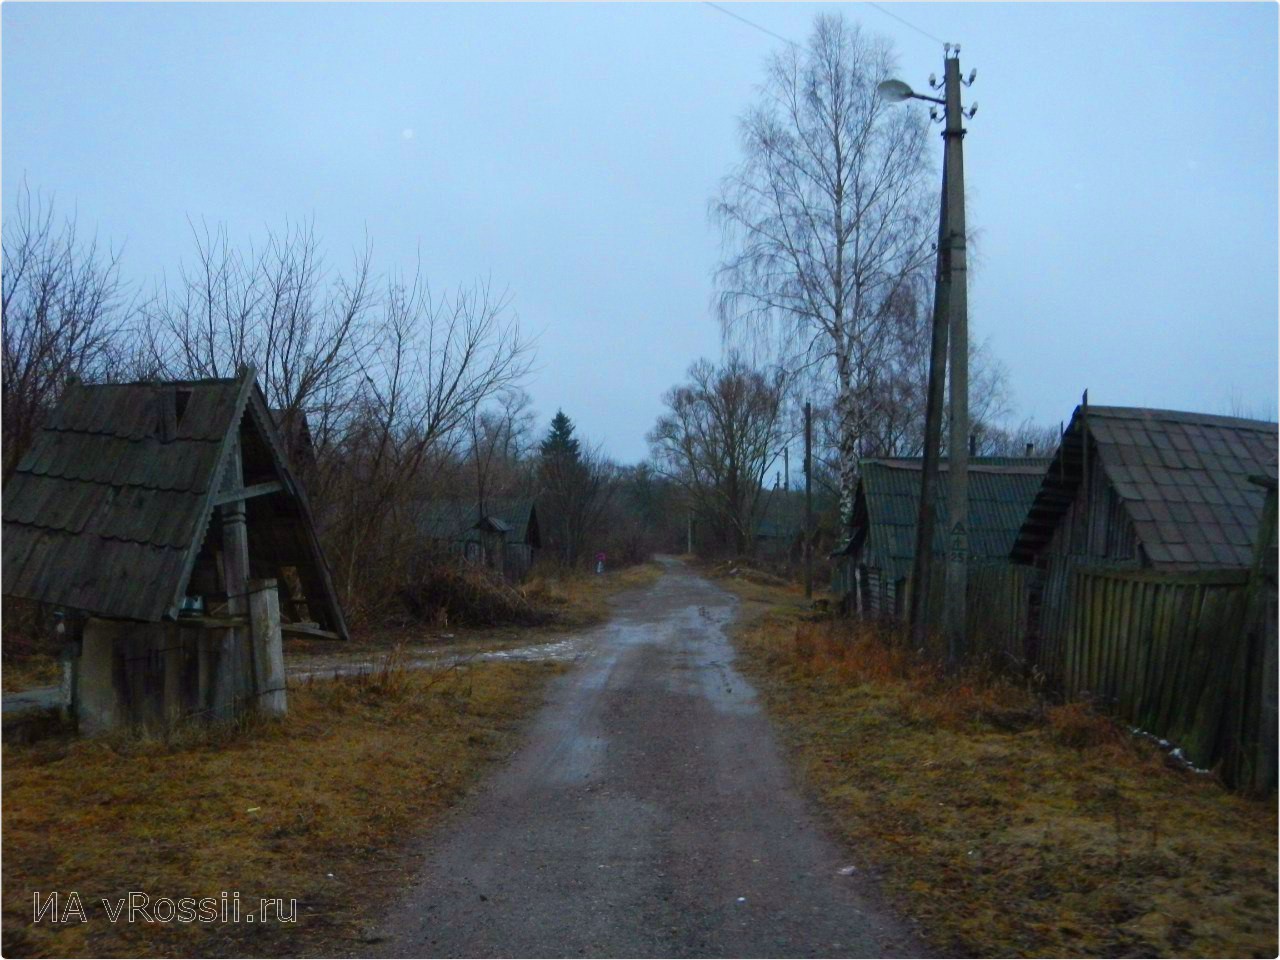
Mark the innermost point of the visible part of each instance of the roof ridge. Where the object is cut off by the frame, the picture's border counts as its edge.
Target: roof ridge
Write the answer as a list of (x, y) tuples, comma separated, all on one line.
[(132, 437), (1179, 416)]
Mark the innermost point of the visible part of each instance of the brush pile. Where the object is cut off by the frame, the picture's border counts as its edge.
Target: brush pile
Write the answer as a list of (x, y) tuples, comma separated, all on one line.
[(448, 594)]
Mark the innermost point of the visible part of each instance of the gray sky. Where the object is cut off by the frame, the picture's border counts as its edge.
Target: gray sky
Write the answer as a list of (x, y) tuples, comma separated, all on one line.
[(1122, 170)]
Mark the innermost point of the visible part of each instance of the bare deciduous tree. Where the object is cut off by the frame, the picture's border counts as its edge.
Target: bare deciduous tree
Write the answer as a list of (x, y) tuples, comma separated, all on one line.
[(65, 313), (722, 431), (438, 358), (827, 220), (279, 309), (498, 438)]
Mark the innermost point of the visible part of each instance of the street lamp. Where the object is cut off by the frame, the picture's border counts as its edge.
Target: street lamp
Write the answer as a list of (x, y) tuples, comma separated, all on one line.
[(895, 91), (950, 333)]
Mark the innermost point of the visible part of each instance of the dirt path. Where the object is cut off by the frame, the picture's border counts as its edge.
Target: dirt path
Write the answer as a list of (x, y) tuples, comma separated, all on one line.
[(648, 814)]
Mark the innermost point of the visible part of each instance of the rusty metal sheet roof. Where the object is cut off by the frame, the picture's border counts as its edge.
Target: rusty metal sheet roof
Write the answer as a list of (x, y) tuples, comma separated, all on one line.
[(888, 503), (1183, 479)]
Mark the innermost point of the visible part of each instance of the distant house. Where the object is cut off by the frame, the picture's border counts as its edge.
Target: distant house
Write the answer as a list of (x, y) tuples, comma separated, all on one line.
[(165, 520), (873, 569), (504, 536), (779, 532), (1158, 489)]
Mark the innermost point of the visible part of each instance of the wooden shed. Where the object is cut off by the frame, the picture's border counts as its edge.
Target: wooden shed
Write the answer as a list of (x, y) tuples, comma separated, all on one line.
[(1151, 537), (1160, 490), (873, 569), (779, 531), (165, 520)]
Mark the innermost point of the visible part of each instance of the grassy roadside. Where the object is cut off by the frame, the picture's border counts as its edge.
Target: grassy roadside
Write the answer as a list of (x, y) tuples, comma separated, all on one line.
[(581, 599), (317, 807), (1003, 826)]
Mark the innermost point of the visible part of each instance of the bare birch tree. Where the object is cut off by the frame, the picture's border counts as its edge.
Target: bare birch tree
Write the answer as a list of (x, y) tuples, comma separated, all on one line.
[(827, 219)]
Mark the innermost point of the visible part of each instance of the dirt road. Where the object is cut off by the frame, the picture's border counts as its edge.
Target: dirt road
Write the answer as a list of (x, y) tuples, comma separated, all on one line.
[(649, 813)]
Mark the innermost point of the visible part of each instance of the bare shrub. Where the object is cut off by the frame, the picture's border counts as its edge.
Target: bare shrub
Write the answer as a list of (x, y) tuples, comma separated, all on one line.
[(462, 595)]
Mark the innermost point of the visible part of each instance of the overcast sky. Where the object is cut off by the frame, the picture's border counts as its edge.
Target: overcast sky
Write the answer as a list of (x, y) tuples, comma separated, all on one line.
[(1122, 170)]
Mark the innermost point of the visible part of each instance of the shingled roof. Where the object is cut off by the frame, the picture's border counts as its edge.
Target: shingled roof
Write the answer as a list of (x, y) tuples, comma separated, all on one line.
[(460, 520), (109, 509), (887, 505), (1182, 478)]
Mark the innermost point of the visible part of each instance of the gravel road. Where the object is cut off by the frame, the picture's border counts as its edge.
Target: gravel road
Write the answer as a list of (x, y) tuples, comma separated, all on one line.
[(649, 813)]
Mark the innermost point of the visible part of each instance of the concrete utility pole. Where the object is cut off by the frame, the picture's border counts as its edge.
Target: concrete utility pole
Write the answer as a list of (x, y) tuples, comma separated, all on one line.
[(958, 317), (808, 500), (951, 298), (922, 562)]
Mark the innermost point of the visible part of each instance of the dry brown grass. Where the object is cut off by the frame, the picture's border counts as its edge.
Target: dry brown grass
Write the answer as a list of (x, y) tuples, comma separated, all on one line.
[(33, 670), (28, 646), (578, 598), (320, 806), (1006, 827)]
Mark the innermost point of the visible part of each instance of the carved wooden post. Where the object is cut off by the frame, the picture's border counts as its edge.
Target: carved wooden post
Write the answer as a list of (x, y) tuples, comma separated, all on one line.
[(268, 648), (235, 574)]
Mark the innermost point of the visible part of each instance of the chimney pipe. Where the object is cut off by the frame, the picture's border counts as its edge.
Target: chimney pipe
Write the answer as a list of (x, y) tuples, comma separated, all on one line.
[(973, 444), (1031, 448)]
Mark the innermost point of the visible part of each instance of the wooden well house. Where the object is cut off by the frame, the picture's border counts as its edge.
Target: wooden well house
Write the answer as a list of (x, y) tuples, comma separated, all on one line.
[(165, 522)]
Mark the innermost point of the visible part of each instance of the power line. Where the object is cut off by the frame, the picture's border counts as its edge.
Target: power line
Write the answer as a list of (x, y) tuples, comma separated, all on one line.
[(750, 23), (777, 36), (889, 13)]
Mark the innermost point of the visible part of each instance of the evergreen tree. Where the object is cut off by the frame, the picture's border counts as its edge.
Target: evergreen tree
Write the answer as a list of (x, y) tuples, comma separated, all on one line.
[(574, 490), (560, 443)]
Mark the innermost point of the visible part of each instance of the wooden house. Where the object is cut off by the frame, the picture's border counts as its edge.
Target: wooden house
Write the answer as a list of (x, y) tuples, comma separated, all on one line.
[(503, 536), (779, 531), (873, 569), (165, 520)]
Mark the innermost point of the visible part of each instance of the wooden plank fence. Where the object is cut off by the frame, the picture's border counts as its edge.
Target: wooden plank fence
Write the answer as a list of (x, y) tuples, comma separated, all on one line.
[(1190, 658), (996, 612), (1176, 656)]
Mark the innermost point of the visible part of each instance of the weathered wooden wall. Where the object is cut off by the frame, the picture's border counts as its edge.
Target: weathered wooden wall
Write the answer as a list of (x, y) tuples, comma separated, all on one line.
[(132, 674), (512, 559), (1183, 657)]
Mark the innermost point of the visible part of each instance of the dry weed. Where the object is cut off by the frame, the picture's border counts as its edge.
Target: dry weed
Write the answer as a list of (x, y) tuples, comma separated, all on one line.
[(1003, 825)]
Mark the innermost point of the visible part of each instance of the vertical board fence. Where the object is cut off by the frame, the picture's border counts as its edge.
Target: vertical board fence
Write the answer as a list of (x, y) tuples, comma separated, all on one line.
[(996, 611), (1177, 657), (1190, 658)]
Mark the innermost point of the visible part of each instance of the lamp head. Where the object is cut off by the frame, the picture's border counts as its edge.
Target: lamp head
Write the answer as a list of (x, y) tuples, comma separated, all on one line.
[(894, 91)]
